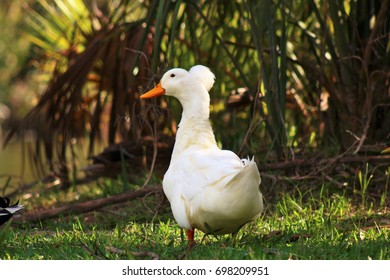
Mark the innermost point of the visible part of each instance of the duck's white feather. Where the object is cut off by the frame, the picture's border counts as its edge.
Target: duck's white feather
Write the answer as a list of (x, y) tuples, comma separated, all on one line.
[(213, 190)]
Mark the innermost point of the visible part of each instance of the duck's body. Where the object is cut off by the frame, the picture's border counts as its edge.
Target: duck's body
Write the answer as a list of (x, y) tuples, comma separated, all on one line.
[(210, 189)]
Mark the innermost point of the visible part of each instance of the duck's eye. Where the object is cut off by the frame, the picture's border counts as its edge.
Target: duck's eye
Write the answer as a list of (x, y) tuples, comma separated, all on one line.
[(173, 75)]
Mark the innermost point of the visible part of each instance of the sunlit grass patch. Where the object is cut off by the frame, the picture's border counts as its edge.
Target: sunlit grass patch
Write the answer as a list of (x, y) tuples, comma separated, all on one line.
[(307, 223)]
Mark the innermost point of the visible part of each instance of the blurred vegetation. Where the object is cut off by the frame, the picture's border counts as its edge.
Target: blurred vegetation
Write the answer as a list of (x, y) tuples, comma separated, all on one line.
[(14, 50), (294, 78)]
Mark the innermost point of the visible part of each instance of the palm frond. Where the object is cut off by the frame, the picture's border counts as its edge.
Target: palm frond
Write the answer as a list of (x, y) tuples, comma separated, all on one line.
[(311, 70)]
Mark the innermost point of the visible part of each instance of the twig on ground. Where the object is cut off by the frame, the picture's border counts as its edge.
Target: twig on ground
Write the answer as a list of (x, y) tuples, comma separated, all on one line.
[(85, 206), (153, 255), (89, 251)]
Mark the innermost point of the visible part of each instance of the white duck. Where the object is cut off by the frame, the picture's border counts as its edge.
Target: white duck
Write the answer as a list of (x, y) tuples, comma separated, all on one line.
[(210, 189)]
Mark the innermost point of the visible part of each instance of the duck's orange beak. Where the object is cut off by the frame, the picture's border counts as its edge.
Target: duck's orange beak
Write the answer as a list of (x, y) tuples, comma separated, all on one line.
[(156, 91)]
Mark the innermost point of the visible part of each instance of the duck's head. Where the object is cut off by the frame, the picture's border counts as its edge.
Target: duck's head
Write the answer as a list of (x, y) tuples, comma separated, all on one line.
[(184, 85)]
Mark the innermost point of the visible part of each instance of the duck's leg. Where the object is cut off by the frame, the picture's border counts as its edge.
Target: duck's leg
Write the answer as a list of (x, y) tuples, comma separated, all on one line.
[(190, 236), (234, 234), (191, 243), (234, 237)]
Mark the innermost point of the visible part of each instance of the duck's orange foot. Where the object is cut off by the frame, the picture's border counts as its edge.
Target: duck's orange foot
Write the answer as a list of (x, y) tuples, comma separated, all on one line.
[(190, 236)]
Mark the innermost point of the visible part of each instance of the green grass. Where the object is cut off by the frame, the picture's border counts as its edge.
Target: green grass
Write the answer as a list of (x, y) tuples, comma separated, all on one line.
[(310, 224)]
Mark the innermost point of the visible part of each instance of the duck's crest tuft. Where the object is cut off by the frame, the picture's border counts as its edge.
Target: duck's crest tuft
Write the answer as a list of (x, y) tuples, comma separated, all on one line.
[(203, 75)]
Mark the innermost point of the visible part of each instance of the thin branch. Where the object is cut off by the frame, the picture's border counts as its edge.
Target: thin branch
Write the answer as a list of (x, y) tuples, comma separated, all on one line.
[(85, 206), (155, 150), (253, 123), (316, 162), (222, 43)]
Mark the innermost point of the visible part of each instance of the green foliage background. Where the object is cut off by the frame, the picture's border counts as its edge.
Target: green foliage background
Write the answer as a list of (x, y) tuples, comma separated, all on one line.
[(316, 72)]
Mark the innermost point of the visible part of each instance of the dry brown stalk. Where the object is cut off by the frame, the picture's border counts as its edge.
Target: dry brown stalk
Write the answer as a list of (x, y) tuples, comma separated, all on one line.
[(84, 207)]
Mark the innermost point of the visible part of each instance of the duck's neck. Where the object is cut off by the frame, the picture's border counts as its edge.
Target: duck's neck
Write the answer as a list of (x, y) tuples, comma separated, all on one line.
[(194, 130), (196, 106)]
